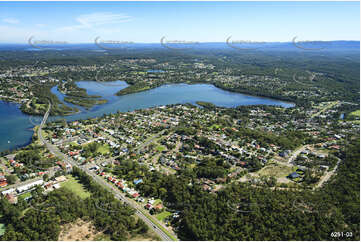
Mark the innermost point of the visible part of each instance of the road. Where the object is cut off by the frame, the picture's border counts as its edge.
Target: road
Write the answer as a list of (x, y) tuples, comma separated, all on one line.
[(150, 140), (138, 211), (325, 108), (296, 153), (20, 184), (328, 175)]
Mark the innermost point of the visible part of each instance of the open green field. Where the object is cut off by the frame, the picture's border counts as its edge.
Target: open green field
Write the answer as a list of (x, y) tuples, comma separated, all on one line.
[(2, 229), (355, 113), (104, 149), (353, 117), (215, 126), (25, 195), (160, 148), (102, 237), (156, 202), (76, 187), (276, 170), (161, 216)]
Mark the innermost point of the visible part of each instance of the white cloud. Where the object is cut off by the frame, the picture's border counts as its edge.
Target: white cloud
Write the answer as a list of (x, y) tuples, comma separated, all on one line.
[(11, 20), (87, 21)]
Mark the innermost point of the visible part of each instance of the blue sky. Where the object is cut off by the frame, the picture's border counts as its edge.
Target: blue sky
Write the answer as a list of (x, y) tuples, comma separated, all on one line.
[(80, 22)]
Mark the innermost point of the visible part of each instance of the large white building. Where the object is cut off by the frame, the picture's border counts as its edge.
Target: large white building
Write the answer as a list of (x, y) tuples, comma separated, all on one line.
[(11, 190), (29, 186)]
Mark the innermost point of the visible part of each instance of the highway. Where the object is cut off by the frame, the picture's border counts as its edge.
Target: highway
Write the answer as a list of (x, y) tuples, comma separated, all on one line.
[(138, 211)]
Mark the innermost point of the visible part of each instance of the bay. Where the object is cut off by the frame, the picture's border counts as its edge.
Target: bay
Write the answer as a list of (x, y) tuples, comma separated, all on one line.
[(15, 127)]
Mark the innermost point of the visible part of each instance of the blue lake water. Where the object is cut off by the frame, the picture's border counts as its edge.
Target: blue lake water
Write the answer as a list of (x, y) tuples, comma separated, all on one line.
[(15, 127), (155, 71)]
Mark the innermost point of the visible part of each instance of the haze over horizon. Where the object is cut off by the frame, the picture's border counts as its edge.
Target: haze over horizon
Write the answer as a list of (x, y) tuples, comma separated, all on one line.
[(148, 22)]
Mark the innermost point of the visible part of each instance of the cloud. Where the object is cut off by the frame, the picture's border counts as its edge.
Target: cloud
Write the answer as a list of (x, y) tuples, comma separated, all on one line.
[(87, 21), (11, 20)]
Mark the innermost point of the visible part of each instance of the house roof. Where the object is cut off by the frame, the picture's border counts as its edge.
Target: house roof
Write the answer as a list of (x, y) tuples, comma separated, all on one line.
[(294, 175)]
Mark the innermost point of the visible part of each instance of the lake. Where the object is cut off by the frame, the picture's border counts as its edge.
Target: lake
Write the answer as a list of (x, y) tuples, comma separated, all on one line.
[(15, 127)]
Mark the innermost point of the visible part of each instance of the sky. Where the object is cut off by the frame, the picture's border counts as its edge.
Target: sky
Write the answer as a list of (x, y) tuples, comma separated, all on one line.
[(148, 22)]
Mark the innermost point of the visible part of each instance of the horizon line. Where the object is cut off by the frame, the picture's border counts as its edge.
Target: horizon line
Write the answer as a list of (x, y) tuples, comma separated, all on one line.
[(193, 42)]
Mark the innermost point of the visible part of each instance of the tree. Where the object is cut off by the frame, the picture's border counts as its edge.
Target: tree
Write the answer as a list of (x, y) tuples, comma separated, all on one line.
[(11, 179), (46, 177)]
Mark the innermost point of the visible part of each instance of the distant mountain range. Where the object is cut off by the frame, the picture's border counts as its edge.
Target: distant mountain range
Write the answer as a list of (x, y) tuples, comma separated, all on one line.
[(276, 46)]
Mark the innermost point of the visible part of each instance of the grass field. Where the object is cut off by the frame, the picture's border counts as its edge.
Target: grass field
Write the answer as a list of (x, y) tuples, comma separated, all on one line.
[(353, 117), (156, 202), (215, 126), (25, 195), (2, 229), (160, 148), (104, 149), (355, 113), (76, 187), (102, 237), (161, 216), (276, 170)]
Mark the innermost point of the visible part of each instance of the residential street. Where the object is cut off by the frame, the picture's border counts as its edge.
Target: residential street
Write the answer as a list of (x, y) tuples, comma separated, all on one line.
[(53, 149)]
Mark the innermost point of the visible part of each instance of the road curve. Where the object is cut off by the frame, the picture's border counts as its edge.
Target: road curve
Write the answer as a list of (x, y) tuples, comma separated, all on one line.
[(53, 149)]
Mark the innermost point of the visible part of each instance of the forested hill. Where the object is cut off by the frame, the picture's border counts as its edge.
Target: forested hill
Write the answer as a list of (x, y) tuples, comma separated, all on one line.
[(242, 212)]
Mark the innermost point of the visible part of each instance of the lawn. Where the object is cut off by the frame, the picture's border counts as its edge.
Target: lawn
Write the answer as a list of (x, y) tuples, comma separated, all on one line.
[(25, 195), (160, 148), (215, 126), (102, 237), (76, 187), (156, 202), (276, 170), (2, 229), (103, 149), (161, 216), (355, 113)]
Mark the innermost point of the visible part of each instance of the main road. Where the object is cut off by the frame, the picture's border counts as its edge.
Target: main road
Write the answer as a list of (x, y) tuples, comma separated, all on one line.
[(156, 227)]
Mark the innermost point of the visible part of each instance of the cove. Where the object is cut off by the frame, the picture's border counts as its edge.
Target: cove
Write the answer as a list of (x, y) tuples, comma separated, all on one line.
[(16, 127)]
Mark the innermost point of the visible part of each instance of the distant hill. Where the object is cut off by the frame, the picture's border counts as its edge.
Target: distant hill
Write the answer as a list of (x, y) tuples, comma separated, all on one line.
[(339, 45)]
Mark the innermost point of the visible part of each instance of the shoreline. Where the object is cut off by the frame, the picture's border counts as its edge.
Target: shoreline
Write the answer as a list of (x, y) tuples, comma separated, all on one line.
[(165, 84), (285, 100)]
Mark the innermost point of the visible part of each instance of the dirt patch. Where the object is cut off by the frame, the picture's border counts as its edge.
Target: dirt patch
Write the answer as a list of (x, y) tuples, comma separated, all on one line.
[(79, 230)]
